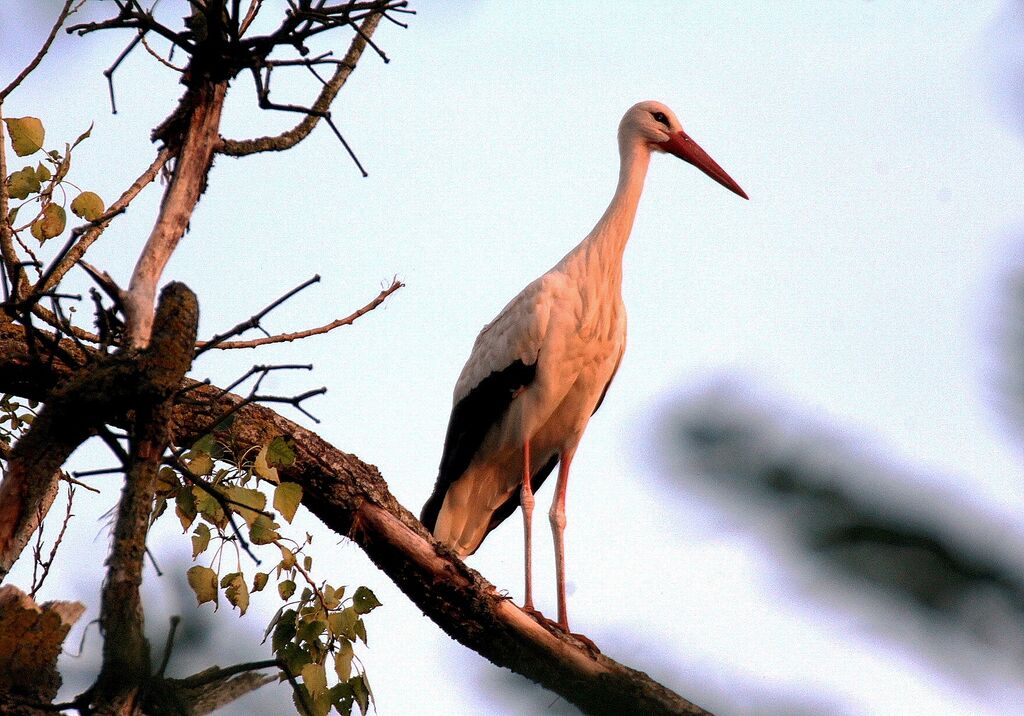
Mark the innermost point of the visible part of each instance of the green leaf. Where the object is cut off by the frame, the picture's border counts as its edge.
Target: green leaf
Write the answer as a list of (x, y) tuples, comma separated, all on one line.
[(284, 630), (12, 215), (294, 657), (167, 483), (236, 591), (185, 508), (287, 497), (286, 589), (246, 502), (263, 469), (209, 508), (43, 173), (51, 223), (200, 540), (201, 464), (364, 601), (159, 507), (27, 135), (259, 581), (343, 623), (360, 629), (310, 630), (307, 703), (23, 182), (203, 581), (287, 558), (280, 452), (263, 530), (361, 691), (330, 598), (314, 677), (207, 444), (342, 698), (88, 205), (343, 660)]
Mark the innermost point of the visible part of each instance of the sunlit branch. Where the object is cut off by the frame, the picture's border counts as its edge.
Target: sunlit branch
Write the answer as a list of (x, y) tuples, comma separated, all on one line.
[(287, 337)]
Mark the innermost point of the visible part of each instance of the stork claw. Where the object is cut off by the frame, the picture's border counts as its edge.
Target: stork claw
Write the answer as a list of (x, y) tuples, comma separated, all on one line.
[(553, 626)]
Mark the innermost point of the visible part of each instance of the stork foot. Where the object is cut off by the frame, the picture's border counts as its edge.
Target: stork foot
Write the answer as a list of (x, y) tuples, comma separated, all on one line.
[(553, 626)]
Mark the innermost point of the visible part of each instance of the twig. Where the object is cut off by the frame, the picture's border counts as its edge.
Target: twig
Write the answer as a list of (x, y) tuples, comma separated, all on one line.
[(288, 139), (78, 483), (252, 321), (295, 402), (326, 328), (95, 229), (37, 585), (168, 645), (61, 17)]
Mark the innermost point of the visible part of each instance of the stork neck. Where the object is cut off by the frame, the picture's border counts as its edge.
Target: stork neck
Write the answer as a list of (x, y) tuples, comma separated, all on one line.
[(607, 241)]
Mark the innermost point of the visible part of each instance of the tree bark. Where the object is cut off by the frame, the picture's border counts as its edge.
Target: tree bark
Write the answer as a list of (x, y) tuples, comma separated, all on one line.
[(126, 664), (351, 498)]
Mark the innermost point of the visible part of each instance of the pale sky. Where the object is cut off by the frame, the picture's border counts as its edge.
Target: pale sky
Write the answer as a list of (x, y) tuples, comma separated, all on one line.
[(859, 282)]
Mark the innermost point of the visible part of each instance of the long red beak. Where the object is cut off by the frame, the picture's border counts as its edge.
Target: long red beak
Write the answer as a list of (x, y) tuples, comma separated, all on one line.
[(680, 144)]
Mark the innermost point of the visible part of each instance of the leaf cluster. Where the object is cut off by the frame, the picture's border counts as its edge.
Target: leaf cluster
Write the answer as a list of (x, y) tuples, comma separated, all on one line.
[(15, 418), (226, 499), (38, 186)]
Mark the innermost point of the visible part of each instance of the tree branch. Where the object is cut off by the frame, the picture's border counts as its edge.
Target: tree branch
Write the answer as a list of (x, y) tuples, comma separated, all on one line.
[(61, 17), (203, 104), (350, 497), (286, 140), (126, 664), (89, 237), (287, 337)]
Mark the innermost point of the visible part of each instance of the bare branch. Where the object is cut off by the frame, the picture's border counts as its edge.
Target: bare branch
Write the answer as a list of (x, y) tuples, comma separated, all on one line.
[(61, 17), (286, 140), (89, 237), (253, 321), (40, 563), (350, 497), (287, 337), (204, 105)]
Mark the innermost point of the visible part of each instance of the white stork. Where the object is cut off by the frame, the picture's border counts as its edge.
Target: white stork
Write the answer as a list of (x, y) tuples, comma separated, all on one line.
[(541, 368)]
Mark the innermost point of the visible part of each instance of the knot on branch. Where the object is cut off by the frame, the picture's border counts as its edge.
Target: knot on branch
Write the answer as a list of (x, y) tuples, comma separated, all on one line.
[(169, 355)]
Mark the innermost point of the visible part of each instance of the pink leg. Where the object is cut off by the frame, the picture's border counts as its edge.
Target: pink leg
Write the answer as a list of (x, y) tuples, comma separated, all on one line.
[(526, 500), (557, 517)]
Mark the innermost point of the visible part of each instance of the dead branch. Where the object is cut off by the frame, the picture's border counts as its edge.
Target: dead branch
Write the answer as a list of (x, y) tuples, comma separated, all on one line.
[(319, 108), (287, 337), (62, 16), (94, 231), (204, 103), (350, 497)]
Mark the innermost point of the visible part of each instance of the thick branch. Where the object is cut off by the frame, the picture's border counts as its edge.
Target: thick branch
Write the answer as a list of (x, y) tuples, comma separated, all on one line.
[(351, 498), (204, 103), (126, 664)]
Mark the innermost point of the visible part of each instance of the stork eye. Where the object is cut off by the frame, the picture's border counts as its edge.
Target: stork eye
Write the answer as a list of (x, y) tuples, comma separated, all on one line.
[(660, 117)]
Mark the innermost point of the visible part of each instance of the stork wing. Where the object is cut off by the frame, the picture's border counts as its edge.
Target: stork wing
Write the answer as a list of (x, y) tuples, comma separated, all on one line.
[(504, 360)]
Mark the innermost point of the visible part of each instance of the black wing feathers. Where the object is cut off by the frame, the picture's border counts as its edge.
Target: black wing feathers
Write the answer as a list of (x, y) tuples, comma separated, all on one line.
[(471, 418)]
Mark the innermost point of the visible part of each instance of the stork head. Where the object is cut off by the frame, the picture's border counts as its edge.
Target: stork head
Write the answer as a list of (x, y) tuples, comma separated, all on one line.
[(655, 126)]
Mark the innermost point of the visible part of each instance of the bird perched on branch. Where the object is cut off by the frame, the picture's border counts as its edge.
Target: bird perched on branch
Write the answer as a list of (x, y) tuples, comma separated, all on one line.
[(541, 368)]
